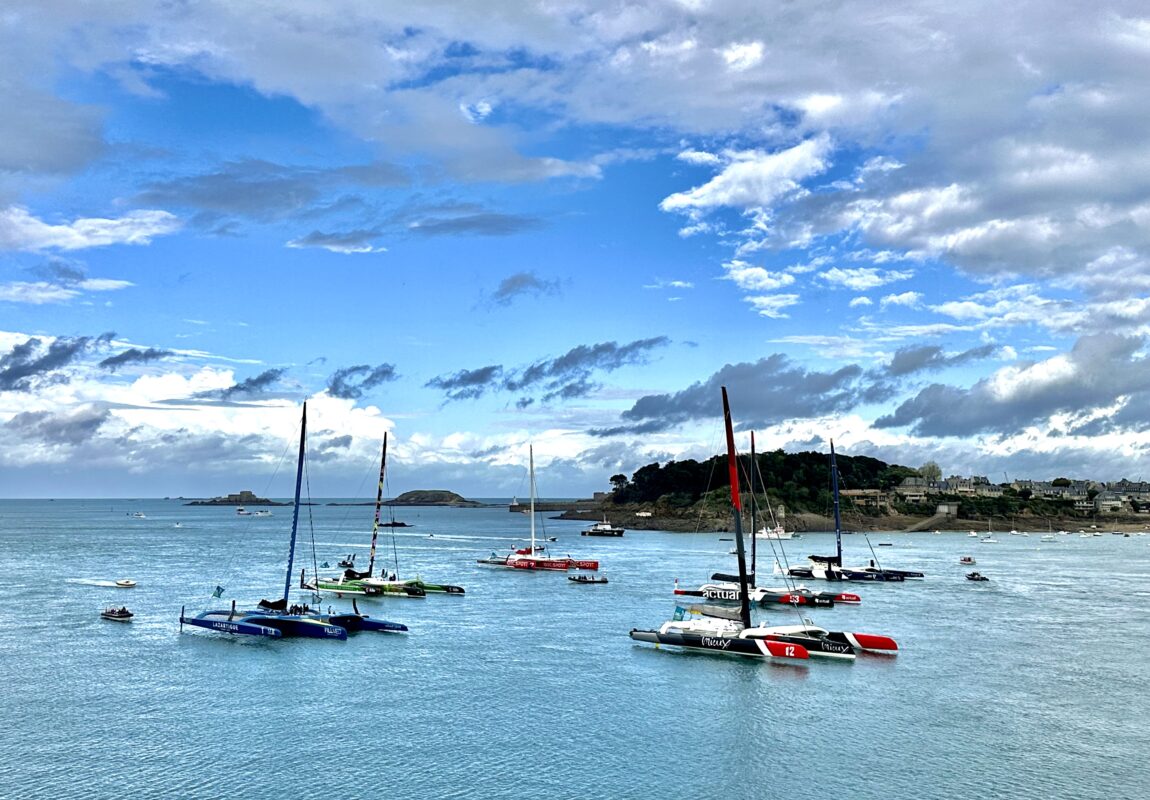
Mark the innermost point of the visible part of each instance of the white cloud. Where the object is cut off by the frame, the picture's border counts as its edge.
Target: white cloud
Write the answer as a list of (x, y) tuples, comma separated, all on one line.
[(908, 299), (859, 302), (42, 292), (19, 230), (36, 293), (756, 279), (755, 178), (742, 57), (772, 305), (860, 279), (476, 112), (699, 157)]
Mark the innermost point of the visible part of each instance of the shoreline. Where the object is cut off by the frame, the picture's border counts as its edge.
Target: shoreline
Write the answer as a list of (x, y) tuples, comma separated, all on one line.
[(816, 523)]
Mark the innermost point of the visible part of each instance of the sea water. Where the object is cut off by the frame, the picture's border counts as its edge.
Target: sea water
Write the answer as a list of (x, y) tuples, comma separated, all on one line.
[(1033, 684)]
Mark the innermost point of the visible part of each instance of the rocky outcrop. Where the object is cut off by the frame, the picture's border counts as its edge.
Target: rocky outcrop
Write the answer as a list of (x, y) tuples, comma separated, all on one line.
[(433, 497)]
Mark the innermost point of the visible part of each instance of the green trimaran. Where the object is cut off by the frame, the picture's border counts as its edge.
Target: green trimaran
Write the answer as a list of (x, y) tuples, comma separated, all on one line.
[(367, 583)]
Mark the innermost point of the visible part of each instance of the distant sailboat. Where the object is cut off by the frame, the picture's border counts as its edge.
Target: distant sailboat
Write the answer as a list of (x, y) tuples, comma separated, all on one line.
[(535, 557)]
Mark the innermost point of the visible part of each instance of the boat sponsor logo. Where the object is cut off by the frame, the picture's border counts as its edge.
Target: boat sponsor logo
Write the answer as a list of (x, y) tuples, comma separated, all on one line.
[(231, 627), (716, 642), (721, 594)]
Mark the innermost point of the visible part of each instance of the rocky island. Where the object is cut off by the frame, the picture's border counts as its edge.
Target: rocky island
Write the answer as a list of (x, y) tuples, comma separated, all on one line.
[(243, 498), (433, 497)]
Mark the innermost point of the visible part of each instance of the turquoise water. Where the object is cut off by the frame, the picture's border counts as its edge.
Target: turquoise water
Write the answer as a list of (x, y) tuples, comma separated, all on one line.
[(1031, 685)]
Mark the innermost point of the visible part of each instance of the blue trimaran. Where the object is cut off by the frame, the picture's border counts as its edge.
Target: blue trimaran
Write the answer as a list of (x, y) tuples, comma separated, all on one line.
[(275, 618)]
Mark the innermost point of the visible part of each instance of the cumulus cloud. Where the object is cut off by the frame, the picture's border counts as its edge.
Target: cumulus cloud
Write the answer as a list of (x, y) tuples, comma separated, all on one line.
[(908, 360), (20, 230), (1100, 371), (861, 279), (768, 391), (755, 178)]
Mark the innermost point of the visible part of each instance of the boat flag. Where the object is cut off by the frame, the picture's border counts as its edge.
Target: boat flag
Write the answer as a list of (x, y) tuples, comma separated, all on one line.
[(219, 592), (679, 612)]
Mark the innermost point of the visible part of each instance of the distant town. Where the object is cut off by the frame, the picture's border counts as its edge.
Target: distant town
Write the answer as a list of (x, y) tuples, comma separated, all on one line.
[(1058, 497)]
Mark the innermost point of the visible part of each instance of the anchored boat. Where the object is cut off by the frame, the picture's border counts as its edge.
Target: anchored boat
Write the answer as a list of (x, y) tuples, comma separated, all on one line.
[(535, 556), (717, 634), (276, 618)]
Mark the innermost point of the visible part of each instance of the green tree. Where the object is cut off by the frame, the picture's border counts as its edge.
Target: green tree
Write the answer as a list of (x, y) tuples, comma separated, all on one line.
[(930, 471)]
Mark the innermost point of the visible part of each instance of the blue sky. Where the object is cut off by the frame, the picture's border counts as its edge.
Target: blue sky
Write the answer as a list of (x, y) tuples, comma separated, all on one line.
[(906, 227)]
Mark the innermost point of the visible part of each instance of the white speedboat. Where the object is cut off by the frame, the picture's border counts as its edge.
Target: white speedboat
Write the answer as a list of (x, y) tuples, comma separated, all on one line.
[(777, 532)]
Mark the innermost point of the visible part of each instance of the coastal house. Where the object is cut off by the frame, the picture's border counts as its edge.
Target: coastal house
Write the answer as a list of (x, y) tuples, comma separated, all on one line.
[(871, 499), (1109, 503), (914, 489)]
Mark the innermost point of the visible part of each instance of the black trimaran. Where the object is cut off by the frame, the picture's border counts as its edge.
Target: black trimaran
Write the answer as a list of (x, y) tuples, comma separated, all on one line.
[(716, 630), (728, 589), (830, 568), (716, 634)]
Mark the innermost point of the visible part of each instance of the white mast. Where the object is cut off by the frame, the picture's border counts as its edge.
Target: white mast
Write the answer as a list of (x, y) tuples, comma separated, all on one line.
[(531, 462)]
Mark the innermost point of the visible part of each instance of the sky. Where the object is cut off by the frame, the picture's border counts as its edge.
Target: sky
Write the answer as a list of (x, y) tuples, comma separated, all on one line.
[(918, 229)]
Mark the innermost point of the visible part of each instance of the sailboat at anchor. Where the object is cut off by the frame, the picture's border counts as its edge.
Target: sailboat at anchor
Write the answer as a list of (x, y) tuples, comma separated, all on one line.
[(276, 618), (723, 633), (366, 582), (535, 556)]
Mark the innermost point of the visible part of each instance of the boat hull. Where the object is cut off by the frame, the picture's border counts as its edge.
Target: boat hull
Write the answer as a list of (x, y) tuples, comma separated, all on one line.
[(224, 622), (356, 623), (727, 645)]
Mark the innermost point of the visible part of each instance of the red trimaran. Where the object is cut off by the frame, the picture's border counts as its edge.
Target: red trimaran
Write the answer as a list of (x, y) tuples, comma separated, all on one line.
[(535, 557)]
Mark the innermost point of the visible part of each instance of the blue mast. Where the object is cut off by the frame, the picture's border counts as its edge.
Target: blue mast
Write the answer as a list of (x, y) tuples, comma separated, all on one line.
[(295, 509)]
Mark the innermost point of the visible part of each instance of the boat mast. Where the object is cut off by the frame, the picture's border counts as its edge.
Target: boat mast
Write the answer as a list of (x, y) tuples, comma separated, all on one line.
[(737, 508), (754, 519), (295, 505), (378, 504), (531, 478), (838, 518)]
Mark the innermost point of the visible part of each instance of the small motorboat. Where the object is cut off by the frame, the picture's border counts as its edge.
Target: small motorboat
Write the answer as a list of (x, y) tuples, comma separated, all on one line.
[(349, 562), (976, 576), (967, 560), (125, 583), (587, 578), (121, 614)]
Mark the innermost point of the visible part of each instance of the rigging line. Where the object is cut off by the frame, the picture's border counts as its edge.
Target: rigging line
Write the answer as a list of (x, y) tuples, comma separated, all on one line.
[(310, 521), (391, 518), (872, 552), (787, 581)]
